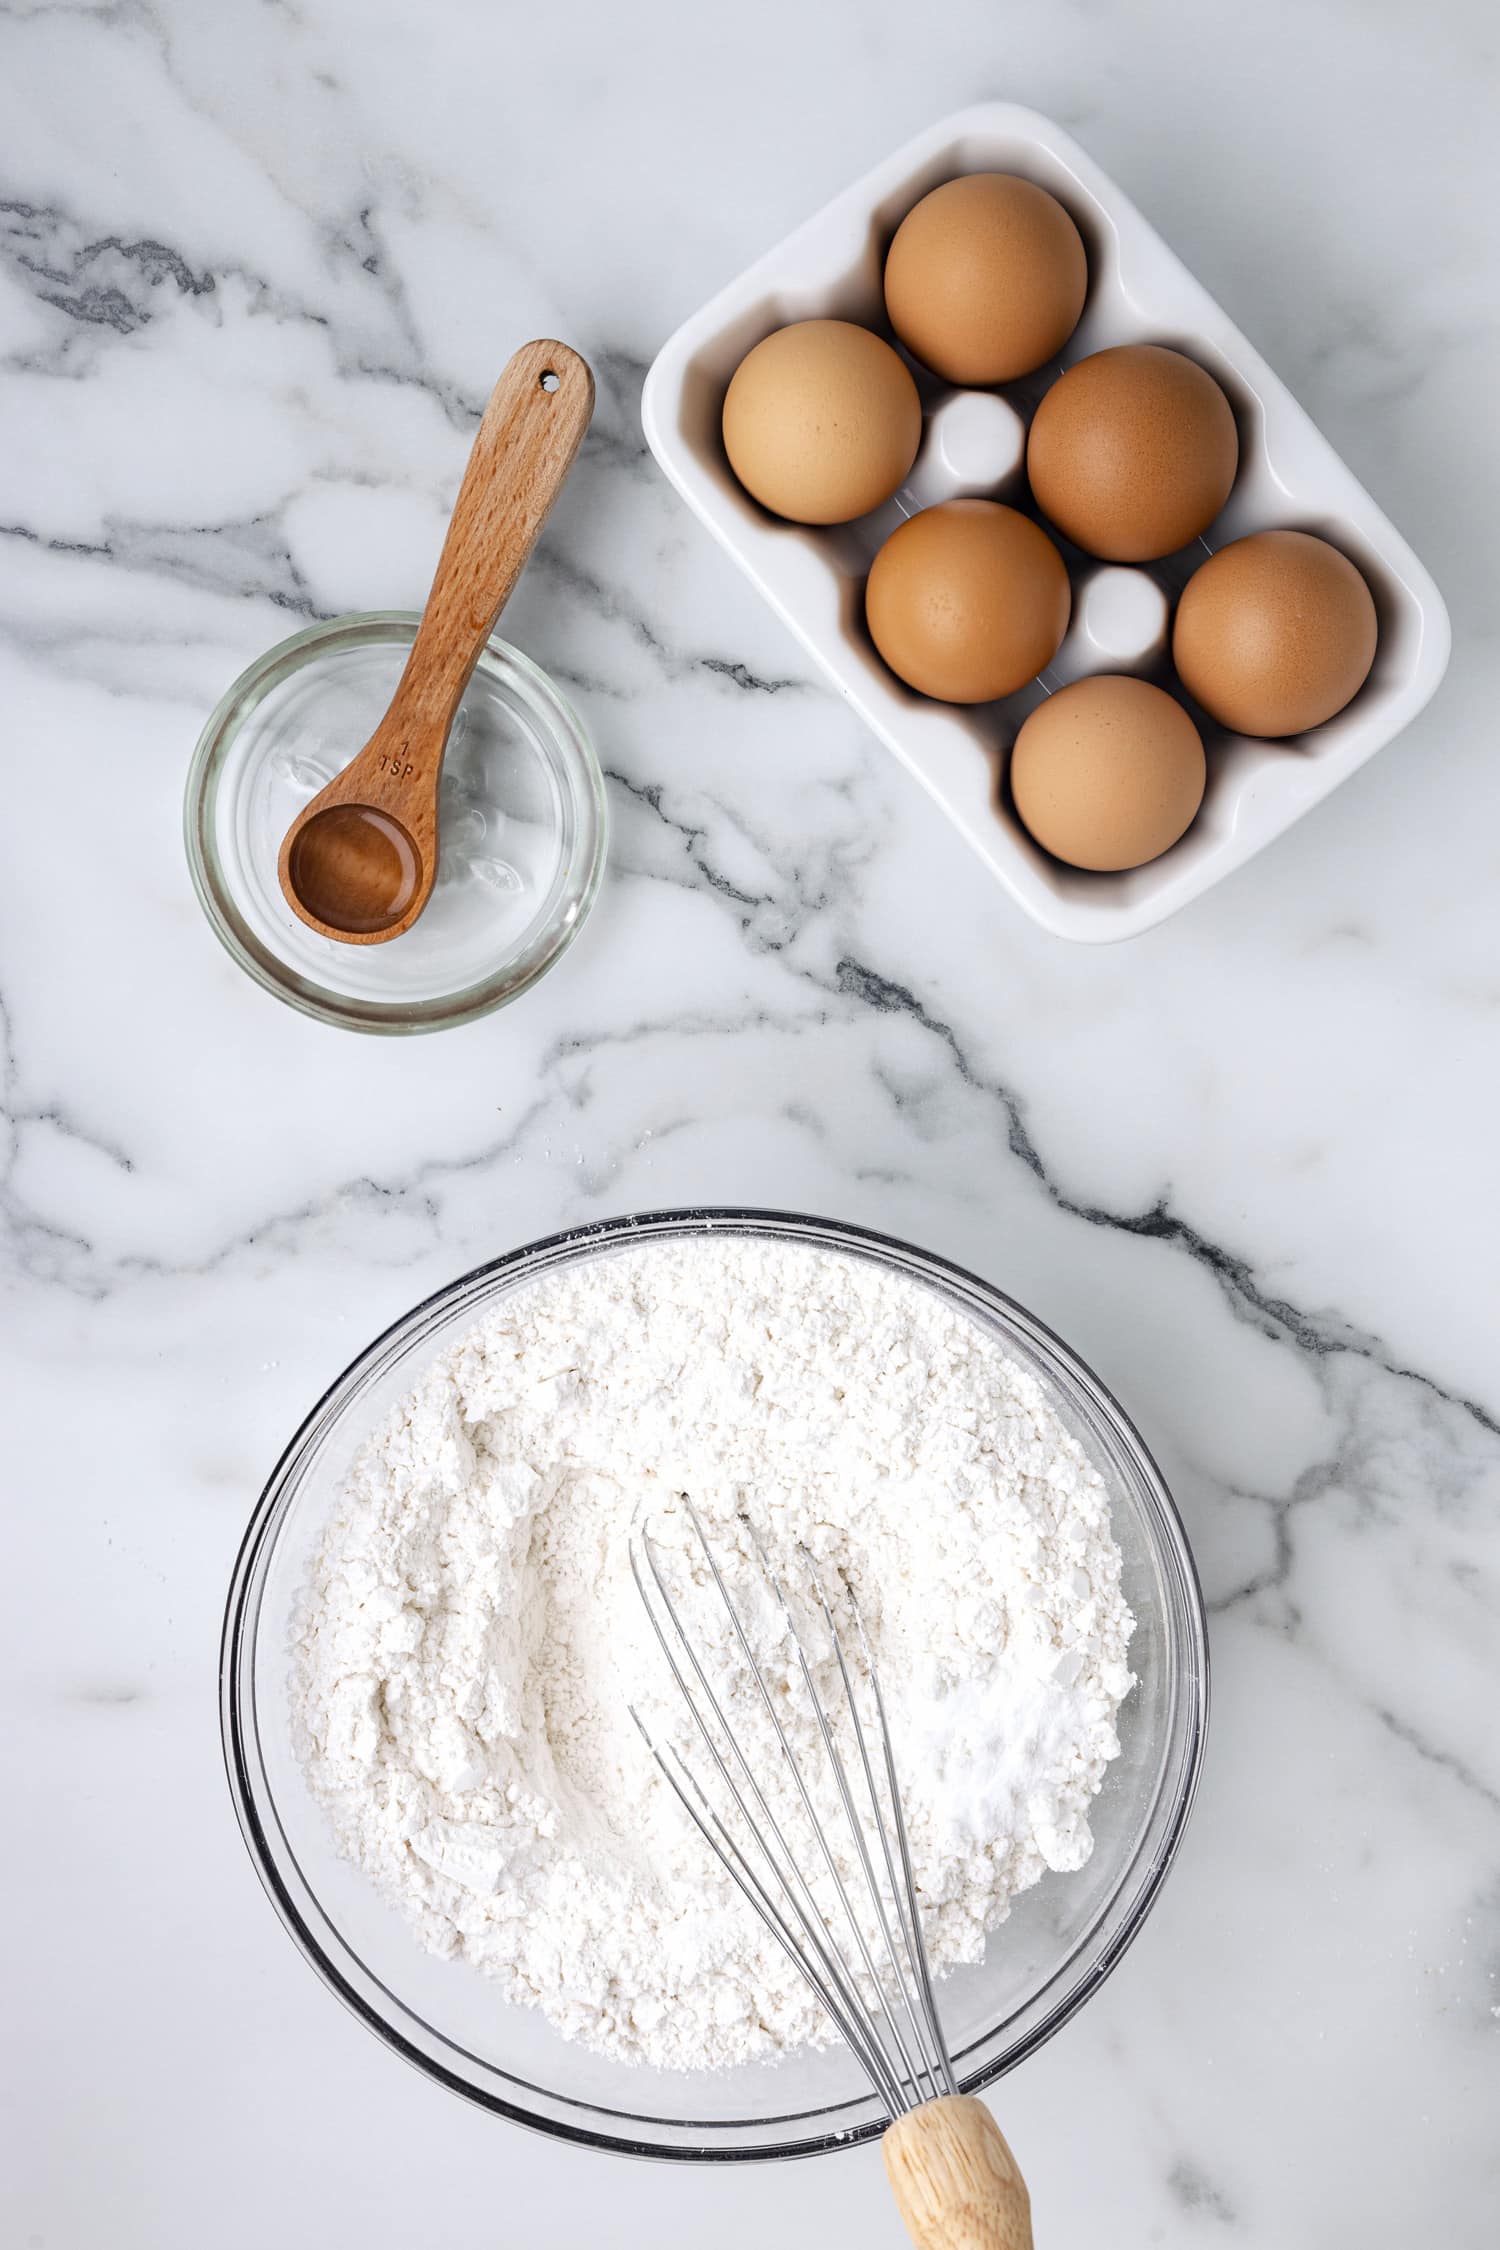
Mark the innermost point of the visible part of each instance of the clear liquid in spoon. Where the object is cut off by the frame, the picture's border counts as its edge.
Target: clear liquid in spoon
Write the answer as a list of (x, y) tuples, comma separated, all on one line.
[(355, 869)]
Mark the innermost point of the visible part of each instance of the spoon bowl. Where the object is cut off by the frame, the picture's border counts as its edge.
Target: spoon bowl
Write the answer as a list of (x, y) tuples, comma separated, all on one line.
[(355, 869)]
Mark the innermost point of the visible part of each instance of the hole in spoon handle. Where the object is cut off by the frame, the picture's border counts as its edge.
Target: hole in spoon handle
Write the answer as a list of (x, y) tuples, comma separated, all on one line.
[(533, 426)]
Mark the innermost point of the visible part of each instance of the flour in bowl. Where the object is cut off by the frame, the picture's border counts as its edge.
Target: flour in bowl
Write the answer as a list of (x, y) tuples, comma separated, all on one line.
[(472, 1636)]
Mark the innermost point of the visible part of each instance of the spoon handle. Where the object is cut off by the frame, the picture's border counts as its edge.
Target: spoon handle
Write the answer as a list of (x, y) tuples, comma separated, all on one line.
[(532, 428)]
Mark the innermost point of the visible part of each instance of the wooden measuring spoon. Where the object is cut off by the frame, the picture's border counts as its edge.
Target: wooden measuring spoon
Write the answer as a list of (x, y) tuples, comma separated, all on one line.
[(359, 862)]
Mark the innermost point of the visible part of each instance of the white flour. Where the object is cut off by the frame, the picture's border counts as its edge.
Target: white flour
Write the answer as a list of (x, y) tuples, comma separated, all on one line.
[(472, 1634)]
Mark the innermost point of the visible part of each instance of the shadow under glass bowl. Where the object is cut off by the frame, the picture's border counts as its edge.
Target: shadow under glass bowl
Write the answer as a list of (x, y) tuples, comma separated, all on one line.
[(1062, 1937)]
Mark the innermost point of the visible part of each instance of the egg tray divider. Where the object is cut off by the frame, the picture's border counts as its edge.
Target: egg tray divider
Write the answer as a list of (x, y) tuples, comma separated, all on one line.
[(1139, 292)]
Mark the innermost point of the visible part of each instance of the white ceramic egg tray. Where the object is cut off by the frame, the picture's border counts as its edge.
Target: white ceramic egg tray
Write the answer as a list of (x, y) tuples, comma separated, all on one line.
[(974, 442)]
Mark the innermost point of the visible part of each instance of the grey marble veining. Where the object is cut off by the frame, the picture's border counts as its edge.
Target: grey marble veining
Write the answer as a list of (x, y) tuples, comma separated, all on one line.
[(258, 267)]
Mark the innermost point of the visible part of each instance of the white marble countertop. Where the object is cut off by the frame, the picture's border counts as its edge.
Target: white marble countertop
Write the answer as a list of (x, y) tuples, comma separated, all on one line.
[(261, 265)]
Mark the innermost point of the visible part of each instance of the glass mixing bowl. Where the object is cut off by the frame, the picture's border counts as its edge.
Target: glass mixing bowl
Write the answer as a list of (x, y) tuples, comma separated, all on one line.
[(1062, 1937), (521, 828)]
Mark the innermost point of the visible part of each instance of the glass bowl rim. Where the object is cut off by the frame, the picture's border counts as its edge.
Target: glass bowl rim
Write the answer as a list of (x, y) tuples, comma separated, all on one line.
[(548, 706), (1170, 1546)]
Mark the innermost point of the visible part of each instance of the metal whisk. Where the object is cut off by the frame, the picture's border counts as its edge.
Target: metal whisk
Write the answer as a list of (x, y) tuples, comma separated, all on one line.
[(953, 2174)]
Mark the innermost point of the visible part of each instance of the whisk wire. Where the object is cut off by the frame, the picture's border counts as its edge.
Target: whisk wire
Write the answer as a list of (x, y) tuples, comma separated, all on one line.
[(722, 1844), (856, 1825), (921, 2012), (913, 1915), (778, 1890), (786, 1871), (907, 2071)]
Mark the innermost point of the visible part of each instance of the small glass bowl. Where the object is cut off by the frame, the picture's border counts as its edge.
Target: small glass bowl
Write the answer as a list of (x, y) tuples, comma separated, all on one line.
[(1059, 1943), (521, 831)]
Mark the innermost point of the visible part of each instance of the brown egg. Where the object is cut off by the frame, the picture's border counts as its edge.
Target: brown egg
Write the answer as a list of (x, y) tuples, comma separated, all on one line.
[(822, 421), (986, 278), (1133, 452), (1274, 633), (968, 600), (1108, 773)]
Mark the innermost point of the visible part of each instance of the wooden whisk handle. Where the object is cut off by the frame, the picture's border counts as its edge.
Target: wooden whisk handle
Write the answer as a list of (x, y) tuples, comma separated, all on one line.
[(956, 2184)]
